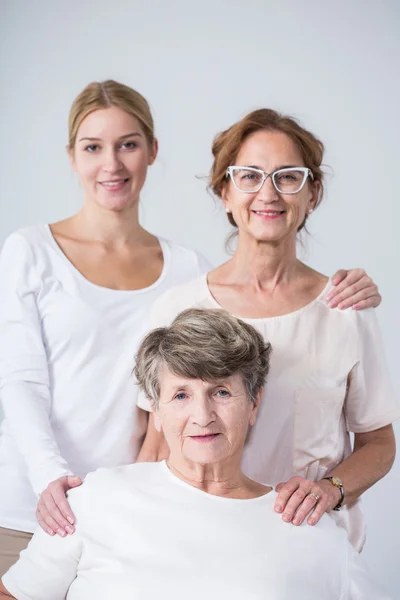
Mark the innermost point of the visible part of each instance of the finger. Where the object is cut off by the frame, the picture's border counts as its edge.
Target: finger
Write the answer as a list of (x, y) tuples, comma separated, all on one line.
[(364, 294), (63, 505), (279, 486), (371, 302), (52, 525), (53, 510), (44, 525), (320, 508), (285, 492), (309, 503), (297, 499), (343, 293), (339, 276)]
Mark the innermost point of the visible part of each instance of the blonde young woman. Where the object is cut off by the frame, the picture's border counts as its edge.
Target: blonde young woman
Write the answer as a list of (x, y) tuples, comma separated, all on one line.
[(74, 302), (328, 376)]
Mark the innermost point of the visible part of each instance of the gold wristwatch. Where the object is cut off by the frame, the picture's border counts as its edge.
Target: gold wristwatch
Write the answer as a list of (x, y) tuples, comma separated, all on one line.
[(337, 482)]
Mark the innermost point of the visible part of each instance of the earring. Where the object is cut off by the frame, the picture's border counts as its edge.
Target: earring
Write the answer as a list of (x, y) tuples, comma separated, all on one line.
[(227, 210), (310, 210)]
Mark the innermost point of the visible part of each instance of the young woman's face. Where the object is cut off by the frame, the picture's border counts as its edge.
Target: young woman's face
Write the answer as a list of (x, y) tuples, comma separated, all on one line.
[(269, 215), (111, 157)]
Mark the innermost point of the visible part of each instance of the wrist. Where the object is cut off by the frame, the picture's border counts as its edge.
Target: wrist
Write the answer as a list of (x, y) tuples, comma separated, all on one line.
[(337, 488)]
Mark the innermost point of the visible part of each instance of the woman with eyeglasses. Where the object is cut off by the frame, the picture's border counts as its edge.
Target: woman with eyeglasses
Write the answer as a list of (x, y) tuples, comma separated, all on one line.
[(74, 303), (328, 375)]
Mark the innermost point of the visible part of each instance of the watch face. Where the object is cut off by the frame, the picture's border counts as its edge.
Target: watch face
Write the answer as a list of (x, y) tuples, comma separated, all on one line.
[(336, 481)]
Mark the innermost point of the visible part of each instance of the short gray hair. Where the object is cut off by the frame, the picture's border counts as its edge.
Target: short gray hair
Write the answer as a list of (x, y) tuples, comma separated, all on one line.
[(207, 344)]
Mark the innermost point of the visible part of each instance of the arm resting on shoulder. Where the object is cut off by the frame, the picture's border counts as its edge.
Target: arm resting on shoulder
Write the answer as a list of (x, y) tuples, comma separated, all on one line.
[(372, 458)]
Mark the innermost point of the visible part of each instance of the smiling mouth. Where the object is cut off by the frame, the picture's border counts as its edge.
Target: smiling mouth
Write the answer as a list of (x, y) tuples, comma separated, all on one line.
[(268, 212), (115, 184), (205, 438)]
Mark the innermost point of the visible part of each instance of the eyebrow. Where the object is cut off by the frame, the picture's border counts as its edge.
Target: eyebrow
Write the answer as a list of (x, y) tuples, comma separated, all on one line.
[(277, 168), (123, 137)]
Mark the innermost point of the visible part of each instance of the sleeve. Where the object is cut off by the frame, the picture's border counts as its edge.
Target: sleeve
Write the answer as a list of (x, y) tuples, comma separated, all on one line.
[(370, 400), (204, 264), (24, 377), (360, 583), (46, 569)]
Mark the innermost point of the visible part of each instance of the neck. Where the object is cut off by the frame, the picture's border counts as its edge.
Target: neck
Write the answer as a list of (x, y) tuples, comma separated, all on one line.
[(113, 228), (265, 264), (222, 478)]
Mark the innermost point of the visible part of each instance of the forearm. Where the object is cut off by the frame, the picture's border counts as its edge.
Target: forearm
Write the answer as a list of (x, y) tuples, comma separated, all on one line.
[(371, 459), (26, 408)]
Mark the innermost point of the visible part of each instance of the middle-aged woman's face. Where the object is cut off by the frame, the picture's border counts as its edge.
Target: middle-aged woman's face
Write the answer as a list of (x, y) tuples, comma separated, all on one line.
[(111, 157), (204, 422), (268, 215)]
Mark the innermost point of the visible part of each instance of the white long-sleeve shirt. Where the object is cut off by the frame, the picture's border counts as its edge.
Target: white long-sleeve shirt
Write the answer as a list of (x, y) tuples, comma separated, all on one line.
[(144, 533), (67, 350)]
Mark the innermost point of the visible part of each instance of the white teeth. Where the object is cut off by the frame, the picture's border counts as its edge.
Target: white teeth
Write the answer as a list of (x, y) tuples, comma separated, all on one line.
[(112, 183), (269, 212)]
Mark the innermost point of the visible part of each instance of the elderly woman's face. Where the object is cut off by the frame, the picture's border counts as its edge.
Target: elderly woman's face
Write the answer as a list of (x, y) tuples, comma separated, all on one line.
[(202, 421), (269, 215)]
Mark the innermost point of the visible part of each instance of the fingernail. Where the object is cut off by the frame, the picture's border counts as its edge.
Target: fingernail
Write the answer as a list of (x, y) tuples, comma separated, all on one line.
[(296, 521), (311, 521), (287, 517), (69, 529), (61, 532), (332, 304), (50, 531), (278, 508), (356, 306), (70, 519), (329, 296)]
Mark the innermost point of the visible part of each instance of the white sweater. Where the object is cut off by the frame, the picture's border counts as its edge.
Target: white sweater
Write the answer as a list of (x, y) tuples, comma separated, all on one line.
[(143, 533), (67, 351)]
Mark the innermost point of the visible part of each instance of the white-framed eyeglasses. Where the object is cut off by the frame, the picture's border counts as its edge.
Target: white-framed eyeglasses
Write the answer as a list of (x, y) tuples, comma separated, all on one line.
[(286, 181)]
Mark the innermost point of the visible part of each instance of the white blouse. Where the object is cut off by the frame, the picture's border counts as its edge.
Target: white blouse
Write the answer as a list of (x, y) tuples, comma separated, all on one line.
[(143, 533), (67, 349), (328, 377)]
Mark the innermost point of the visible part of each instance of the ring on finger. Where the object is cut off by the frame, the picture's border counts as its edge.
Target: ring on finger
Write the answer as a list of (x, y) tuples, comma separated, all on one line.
[(315, 496)]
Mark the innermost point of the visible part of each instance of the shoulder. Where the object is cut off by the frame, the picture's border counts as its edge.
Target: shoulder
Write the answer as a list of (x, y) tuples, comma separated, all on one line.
[(25, 244), (184, 261), (108, 482), (176, 299)]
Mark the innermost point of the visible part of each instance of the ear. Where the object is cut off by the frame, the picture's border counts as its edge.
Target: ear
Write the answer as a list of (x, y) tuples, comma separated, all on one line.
[(157, 420), (153, 152), (255, 407), (316, 189), (71, 157), (225, 200)]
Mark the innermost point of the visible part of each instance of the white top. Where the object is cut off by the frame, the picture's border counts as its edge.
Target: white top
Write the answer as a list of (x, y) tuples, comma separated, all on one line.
[(327, 377), (67, 350), (143, 533)]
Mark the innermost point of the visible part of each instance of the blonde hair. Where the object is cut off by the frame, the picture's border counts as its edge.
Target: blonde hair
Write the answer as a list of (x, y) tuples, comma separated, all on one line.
[(226, 147), (207, 344), (105, 94)]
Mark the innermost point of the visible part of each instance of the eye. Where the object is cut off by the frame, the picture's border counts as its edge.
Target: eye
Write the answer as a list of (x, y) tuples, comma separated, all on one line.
[(129, 145), (92, 147), (223, 394), (180, 396)]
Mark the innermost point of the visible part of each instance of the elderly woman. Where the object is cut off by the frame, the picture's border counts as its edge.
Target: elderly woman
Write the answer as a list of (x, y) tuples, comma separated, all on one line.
[(195, 526), (328, 375)]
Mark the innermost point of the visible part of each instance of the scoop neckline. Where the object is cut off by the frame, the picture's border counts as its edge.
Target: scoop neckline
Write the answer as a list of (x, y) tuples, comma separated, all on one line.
[(165, 249), (291, 314), (198, 491)]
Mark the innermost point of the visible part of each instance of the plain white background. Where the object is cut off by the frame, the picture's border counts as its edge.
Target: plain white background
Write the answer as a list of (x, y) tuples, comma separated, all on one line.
[(203, 65)]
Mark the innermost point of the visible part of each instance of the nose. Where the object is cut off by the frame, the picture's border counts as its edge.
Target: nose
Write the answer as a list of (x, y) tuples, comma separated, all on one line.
[(268, 193), (203, 413), (112, 162)]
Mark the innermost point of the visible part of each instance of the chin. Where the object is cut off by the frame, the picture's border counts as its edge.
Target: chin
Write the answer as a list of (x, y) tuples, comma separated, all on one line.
[(116, 204)]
